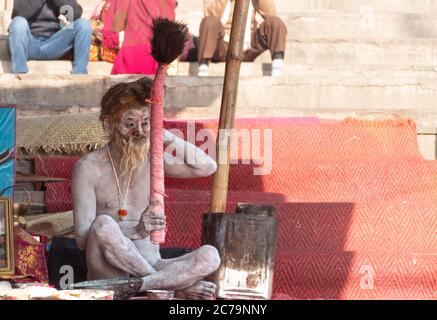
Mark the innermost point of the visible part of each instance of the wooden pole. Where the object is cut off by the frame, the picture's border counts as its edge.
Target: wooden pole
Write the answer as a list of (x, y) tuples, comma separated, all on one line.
[(228, 106)]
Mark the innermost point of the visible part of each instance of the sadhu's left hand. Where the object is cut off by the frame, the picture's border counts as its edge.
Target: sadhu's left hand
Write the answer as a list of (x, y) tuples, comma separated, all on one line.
[(150, 221)]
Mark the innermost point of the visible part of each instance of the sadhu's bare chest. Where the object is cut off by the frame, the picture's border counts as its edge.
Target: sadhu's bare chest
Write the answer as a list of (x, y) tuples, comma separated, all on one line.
[(110, 198)]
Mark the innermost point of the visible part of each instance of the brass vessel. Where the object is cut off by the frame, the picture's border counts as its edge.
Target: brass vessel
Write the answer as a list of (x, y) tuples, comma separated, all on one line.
[(20, 209)]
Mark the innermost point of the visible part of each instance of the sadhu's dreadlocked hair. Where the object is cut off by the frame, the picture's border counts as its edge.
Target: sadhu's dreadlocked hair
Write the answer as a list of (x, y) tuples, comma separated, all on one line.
[(123, 96)]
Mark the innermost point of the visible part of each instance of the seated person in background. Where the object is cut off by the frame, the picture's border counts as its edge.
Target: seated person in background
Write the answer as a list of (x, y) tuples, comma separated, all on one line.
[(47, 30), (214, 33), (116, 178)]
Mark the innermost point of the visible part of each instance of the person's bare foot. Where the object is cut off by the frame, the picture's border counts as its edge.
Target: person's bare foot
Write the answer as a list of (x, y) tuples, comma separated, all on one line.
[(201, 290)]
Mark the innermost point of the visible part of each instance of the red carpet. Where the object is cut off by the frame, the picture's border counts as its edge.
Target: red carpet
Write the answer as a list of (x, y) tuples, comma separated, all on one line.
[(355, 200)]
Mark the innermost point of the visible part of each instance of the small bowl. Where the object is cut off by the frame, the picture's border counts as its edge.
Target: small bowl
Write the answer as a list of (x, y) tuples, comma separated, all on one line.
[(160, 294)]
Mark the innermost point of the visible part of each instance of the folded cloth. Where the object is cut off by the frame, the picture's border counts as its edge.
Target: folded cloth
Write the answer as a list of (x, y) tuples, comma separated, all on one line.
[(30, 260)]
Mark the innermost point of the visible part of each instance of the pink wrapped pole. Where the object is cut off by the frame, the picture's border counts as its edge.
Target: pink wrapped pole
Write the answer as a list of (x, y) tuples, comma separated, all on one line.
[(157, 190), (167, 44)]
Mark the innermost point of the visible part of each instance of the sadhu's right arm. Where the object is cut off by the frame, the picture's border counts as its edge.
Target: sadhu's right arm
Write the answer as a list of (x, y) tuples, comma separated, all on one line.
[(84, 202)]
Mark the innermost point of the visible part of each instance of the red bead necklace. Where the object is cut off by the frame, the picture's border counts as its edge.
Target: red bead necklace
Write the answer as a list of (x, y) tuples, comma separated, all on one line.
[(122, 212)]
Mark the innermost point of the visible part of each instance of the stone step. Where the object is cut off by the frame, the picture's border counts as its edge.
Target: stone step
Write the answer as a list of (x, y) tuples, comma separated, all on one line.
[(323, 24), (62, 67), (59, 67), (402, 53), (340, 25), (191, 11), (197, 97), (286, 6), (248, 69), (261, 67), (397, 52), (345, 25), (193, 5), (258, 69)]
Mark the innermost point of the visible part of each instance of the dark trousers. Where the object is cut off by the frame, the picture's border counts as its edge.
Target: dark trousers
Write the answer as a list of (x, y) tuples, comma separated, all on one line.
[(270, 35)]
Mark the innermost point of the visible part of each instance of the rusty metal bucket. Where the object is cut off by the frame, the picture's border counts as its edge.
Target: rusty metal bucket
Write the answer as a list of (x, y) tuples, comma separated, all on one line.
[(246, 242)]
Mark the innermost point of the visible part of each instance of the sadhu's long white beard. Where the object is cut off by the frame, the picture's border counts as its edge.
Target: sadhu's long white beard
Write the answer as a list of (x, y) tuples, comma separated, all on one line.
[(134, 155)]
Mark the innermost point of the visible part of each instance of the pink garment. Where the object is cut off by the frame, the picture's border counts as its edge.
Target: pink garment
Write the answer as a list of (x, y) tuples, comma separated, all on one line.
[(134, 60), (134, 56)]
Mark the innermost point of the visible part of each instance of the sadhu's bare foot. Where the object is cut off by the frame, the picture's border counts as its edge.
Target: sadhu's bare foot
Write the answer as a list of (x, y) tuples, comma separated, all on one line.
[(201, 290)]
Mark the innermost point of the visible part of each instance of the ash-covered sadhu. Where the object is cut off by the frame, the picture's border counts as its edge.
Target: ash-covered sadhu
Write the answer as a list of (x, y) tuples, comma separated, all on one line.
[(111, 200)]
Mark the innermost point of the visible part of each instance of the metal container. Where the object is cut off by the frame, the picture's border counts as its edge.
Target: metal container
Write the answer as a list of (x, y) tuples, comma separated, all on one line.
[(124, 288), (246, 242)]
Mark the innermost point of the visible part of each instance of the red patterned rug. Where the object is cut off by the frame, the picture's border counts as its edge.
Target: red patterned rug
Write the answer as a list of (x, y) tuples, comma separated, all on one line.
[(355, 199)]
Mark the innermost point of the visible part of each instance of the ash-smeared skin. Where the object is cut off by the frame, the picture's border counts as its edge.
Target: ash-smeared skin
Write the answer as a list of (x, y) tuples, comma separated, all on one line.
[(199, 291), (118, 248)]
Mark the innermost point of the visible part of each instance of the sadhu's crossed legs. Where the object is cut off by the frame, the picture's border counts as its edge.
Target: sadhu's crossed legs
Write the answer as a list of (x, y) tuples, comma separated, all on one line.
[(110, 254)]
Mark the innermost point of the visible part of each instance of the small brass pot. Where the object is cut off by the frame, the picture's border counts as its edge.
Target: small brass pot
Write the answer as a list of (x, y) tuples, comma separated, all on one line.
[(20, 210)]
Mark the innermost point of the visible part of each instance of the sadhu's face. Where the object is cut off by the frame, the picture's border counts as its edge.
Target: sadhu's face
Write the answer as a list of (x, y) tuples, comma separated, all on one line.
[(134, 125)]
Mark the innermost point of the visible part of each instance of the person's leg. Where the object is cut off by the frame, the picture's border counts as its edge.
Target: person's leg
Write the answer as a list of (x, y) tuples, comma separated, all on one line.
[(270, 35), (184, 274), (207, 260), (22, 45), (82, 44), (109, 254), (77, 34), (211, 43)]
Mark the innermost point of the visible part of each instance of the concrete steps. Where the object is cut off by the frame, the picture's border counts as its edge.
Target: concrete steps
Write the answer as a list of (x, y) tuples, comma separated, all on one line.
[(305, 20), (327, 94), (341, 25), (326, 38), (182, 92), (258, 69), (400, 53), (261, 67), (392, 6), (410, 53), (386, 6), (196, 5), (59, 67), (344, 25)]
